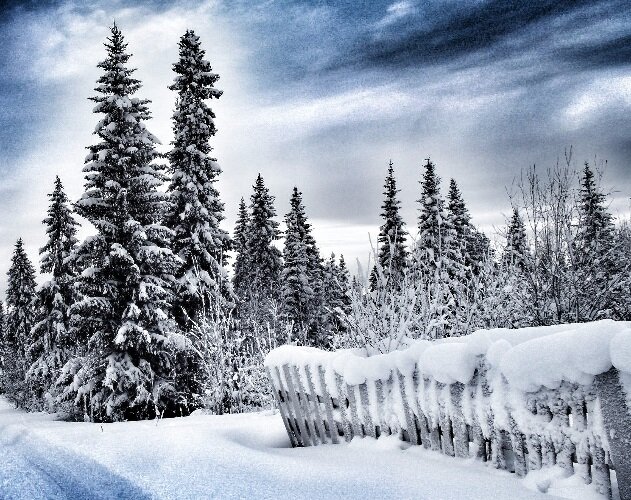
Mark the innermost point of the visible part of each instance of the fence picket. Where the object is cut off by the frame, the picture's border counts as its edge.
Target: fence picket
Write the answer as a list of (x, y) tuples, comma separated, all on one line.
[(421, 419), (328, 407), (303, 435), (523, 433), (461, 435), (341, 398), (411, 431), (369, 427), (354, 411), (313, 396), (282, 407)]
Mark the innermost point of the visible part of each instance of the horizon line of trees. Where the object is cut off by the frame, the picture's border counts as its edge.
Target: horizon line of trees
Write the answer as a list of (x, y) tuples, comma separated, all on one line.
[(141, 319)]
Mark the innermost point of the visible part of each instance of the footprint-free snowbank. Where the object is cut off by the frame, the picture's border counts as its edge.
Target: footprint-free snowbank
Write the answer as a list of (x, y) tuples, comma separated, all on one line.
[(529, 358), (227, 457)]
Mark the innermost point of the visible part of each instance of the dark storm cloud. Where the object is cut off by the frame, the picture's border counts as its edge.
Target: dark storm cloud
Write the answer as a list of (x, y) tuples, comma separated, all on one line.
[(603, 54), (439, 33)]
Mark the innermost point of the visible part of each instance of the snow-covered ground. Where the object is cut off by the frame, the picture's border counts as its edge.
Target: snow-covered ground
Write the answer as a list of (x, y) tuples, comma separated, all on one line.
[(234, 456)]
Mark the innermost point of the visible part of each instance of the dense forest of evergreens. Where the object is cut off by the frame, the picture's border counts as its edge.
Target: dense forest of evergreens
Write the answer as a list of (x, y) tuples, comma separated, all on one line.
[(142, 319)]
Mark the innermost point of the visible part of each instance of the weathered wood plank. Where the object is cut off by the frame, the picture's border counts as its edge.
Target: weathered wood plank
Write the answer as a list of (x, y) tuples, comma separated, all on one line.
[(305, 406), (369, 427), (433, 420), (341, 391), (315, 405), (421, 419), (303, 434), (461, 436), (519, 452), (412, 433), (282, 407), (354, 411), (328, 406)]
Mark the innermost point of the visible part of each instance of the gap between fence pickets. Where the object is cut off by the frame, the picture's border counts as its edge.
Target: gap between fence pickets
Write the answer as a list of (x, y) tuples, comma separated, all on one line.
[(310, 415)]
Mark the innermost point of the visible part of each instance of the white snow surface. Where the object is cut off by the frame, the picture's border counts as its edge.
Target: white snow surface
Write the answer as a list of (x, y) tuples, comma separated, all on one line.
[(529, 358), (235, 456)]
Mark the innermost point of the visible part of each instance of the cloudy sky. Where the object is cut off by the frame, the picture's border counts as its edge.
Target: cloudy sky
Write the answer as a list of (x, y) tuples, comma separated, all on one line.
[(321, 94)]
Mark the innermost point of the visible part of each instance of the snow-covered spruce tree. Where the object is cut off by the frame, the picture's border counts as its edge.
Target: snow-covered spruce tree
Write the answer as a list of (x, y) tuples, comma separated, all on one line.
[(52, 347), (3, 324), (239, 245), (298, 293), (125, 370), (621, 303), (20, 319), (437, 260), (197, 210), (516, 249), (473, 244), (335, 301), (392, 257), (261, 294), (597, 263), (435, 232)]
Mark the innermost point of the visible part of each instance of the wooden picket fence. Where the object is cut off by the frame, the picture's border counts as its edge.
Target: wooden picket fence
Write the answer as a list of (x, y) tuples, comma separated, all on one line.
[(519, 432)]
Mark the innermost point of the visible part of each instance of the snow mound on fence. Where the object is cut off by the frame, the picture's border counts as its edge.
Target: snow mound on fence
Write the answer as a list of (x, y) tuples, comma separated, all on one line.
[(529, 358)]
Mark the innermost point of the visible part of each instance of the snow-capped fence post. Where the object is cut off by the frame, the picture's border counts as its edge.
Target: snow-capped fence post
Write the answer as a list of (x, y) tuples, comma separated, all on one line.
[(617, 420), (503, 404)]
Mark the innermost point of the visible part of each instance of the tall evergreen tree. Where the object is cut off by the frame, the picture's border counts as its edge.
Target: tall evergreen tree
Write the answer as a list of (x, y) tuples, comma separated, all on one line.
[(123, 316), (598, 265), (301, 276), (392, 234), (596, 228), (20, 320), (197, 210), (263, 258), (434, 231), (516, 249), (472, 244), (52, 346), (335, 299), (240, 240), (431, 218), (343, 278), (437, 258), (458, 212), (3, 326)]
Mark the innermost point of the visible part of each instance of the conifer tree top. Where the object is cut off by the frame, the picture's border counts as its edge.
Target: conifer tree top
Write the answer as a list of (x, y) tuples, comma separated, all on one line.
[(116, 79), (21, 277), (194, 73), (61, 229)]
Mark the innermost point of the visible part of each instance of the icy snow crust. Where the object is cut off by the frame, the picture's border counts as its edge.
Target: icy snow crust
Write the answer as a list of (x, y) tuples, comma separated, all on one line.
[(529, 358)]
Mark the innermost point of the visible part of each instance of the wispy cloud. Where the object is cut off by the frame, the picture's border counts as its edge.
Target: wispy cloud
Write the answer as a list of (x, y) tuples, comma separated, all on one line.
[(322, 94)]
